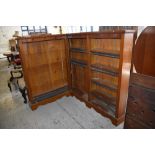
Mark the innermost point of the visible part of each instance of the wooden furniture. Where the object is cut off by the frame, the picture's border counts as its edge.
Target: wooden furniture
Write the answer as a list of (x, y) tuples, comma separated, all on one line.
[(144, 53), (13, 45), (100, 69), (17, 81), (44, 62), (94, 67), (22, 88), (141, 100), (8, 54), (79, 59)]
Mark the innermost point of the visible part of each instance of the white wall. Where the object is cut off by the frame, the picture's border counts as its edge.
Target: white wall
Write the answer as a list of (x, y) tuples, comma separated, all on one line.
[(6, 33)]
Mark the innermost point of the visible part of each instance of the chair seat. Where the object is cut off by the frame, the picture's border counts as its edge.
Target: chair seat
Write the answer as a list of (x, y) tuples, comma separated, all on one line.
[(8, 53), (21, 83), (17, 61)]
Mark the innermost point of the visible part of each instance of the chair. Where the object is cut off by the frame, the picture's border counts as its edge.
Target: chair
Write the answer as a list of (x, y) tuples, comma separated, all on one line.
[(13, 45), (17, 81), (13, 54), (8, 54), (16, 61)]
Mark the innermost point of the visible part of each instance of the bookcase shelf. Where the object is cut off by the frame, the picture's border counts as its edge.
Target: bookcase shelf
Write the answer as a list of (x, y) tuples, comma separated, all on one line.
[(106, 107), (105, 84), (105, 53), (106, 102), (103, 96), (80, 50), (105, 69), (78, 62)]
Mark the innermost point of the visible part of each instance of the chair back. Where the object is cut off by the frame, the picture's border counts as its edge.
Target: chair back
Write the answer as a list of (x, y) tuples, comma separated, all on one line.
[(13, 46)]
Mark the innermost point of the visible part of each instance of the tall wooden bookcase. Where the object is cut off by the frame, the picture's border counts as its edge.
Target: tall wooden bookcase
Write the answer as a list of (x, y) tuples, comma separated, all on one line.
[(94, 67), (100, 70), (45, 67)]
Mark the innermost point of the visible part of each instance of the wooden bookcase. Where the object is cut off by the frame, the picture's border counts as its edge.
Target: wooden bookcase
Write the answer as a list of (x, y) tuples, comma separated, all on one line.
[(105, 54), (100, 70), (45, 67), (94, 67), (79, 64)]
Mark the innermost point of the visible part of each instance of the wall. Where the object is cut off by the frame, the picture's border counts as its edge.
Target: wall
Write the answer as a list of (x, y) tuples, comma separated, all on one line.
[(6, 33)]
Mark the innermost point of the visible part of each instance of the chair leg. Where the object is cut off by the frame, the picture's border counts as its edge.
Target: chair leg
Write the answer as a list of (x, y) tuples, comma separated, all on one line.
[(23, 92), (9, 85)]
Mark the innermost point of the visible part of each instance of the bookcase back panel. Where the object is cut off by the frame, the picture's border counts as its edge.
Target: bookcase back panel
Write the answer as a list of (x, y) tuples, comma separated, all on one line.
[(111, 45), (45, 65), (56, 51), (78, 43), (79, 56), (39, 75), (79, 78), (59, 74)]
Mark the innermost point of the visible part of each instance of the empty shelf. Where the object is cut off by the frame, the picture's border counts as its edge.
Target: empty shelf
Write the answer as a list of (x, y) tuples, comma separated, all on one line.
[(78, 62), (81, 50), (104, 83), (111, 54), (105, 97), (106, 107), (105, 69)]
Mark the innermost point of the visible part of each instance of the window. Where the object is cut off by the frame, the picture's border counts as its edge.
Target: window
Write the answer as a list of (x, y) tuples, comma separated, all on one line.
[(28, 30), (103, 28), (77, 29)]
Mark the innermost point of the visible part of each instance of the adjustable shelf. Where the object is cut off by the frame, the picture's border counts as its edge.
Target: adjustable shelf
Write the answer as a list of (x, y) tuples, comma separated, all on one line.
[(105, 69), (103, 100), (80, 50), (107, 108), (80, 55), (106, 53), (78, 62), (104, 83), (103, 96)]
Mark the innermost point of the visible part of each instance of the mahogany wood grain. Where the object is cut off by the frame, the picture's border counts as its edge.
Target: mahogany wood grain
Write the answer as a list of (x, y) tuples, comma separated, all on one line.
[(125, 67), (144, 53), (141, 99), (52, 63), (108, 59), (44, 61), (141, 102)]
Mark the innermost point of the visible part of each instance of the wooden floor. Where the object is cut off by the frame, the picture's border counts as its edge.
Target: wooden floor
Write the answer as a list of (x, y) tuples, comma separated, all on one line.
[(65, 113)]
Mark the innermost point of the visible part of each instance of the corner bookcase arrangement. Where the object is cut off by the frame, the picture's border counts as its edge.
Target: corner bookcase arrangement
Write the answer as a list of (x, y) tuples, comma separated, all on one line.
[(94, 67)]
